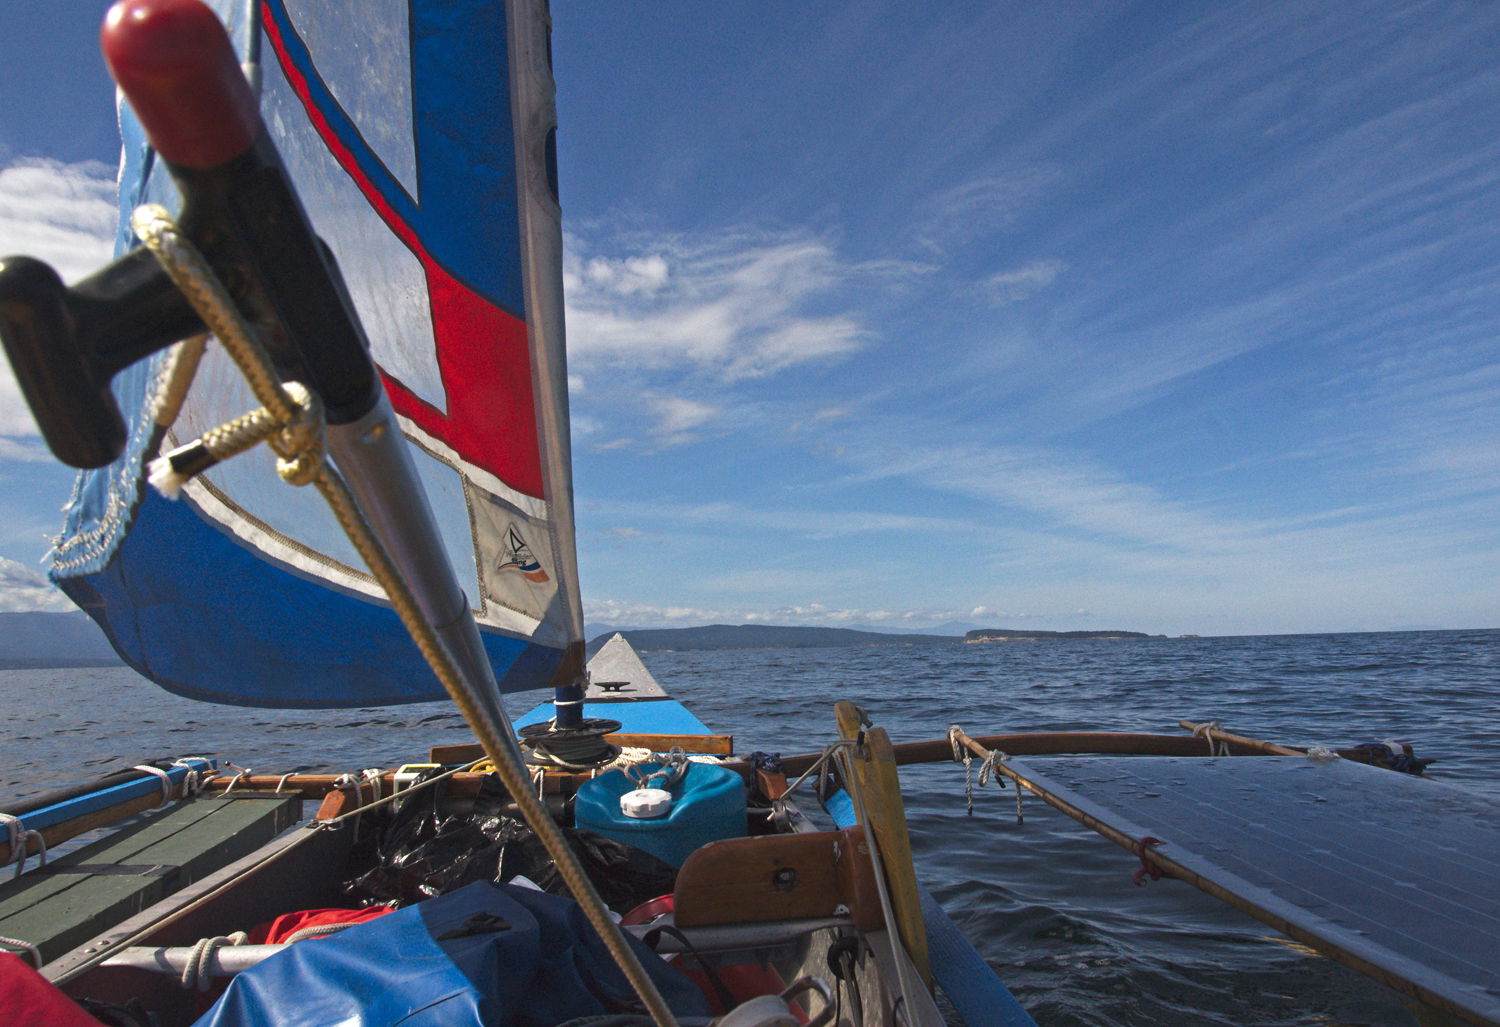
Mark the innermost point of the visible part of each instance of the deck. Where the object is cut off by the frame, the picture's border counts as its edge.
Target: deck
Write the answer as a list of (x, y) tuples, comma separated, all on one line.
[(1398, 876)]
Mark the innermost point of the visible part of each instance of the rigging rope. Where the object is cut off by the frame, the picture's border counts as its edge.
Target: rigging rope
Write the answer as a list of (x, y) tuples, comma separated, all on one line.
[(298, 444)]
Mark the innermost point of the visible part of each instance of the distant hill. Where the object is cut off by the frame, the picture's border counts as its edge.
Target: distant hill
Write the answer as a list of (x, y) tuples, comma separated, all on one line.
[(1015, 635), (53, 640), (766, 636)]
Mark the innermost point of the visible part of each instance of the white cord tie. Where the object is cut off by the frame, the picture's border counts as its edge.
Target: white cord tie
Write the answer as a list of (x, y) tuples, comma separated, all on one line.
[(198, 768), (162, 778), (20, 841), (195, 972)]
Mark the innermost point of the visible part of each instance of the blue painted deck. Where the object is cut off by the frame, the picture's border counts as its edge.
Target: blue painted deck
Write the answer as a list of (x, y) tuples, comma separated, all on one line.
[(638, 717)]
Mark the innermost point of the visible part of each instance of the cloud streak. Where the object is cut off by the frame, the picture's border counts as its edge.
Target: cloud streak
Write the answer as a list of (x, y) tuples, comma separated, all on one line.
[(23, 589), (735, 309)]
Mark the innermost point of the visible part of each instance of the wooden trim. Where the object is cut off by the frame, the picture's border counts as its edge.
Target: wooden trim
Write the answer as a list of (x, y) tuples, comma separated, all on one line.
[(874, 765), (714, 745)]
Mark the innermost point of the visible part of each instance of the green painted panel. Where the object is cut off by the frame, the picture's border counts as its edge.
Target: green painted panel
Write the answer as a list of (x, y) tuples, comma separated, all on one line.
[(90, 890)]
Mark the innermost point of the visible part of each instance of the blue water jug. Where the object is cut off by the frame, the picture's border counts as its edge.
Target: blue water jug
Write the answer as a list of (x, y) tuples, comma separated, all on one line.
[(708, 804)]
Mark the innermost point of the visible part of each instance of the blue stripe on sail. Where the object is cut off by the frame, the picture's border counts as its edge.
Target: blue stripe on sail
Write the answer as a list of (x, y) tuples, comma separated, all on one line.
[(467, 212), (190, 608)]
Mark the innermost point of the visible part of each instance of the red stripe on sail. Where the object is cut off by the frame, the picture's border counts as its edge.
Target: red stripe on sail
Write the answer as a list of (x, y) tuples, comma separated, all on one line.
[(484, 358), (484, 353)]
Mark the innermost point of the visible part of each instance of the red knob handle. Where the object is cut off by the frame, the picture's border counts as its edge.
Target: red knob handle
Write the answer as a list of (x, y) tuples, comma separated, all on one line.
[(174, 62)]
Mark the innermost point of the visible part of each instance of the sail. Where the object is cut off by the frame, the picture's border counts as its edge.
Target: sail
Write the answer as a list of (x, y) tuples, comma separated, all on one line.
[(419, 135)]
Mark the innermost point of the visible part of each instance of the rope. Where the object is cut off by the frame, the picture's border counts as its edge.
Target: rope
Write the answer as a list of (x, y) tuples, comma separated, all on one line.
[(195, 972), (162, 777), (24, 946), (21, 838), (1216, 747), (241, 773), (989, 768), (962, 755), (301, 463), (318, 931), (576, 754), (196, 776), (172, 386), (333, 822)]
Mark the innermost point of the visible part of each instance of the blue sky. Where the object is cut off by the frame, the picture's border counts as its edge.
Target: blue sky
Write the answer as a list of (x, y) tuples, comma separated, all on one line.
[(1157, 316)]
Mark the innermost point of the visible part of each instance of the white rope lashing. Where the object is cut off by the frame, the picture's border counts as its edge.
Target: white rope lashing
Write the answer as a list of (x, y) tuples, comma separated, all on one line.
[(162, 778), (20, 841)]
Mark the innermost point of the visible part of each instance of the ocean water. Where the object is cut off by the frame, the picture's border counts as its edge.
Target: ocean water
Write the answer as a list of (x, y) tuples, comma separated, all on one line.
[(1048, 903)]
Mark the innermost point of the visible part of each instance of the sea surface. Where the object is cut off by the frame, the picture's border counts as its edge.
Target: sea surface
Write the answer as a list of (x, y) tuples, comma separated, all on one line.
[(1048, 903)]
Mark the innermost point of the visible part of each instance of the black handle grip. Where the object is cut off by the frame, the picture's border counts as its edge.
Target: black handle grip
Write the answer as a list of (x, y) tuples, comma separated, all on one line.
[(65, 344)]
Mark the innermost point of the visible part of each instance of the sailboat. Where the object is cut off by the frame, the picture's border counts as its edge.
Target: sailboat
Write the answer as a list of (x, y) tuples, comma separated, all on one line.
[(340, 236)]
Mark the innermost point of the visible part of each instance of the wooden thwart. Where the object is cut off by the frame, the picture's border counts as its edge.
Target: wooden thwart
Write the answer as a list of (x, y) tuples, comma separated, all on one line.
[(85, 892), (779, 877)]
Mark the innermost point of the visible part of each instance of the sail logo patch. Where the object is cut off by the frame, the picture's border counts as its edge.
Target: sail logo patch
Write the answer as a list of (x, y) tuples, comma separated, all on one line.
[(516, 556)]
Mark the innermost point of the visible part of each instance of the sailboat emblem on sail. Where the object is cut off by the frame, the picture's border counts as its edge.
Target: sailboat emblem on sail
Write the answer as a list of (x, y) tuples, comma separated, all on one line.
[(517, 556)]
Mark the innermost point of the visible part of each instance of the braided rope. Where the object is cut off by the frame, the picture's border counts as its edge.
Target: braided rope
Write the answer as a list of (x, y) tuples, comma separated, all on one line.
[(196, 972), (208, 297)]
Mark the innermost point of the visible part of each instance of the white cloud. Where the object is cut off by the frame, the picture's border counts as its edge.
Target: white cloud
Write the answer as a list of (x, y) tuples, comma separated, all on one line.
[(1012, 286), (63, 214), (982, 205), (678, 418), (732, 309), (649, 615), (23, 589)]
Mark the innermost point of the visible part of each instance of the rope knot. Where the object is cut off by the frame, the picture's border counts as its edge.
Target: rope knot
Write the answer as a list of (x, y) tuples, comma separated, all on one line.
[(299, 441)]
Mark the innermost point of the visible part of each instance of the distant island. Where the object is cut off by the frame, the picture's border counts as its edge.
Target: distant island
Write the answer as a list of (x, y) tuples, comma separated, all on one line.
[(1012, 635), (768, 636), (34, 640), (764, 636), (31, 640)]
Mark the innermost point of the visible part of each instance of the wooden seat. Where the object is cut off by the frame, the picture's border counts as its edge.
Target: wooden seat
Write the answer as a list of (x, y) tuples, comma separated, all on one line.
[(76, 896), (779, 877)]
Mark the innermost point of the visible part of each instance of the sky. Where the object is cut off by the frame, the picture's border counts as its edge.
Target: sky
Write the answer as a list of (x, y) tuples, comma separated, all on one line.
[(1165, 317)]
